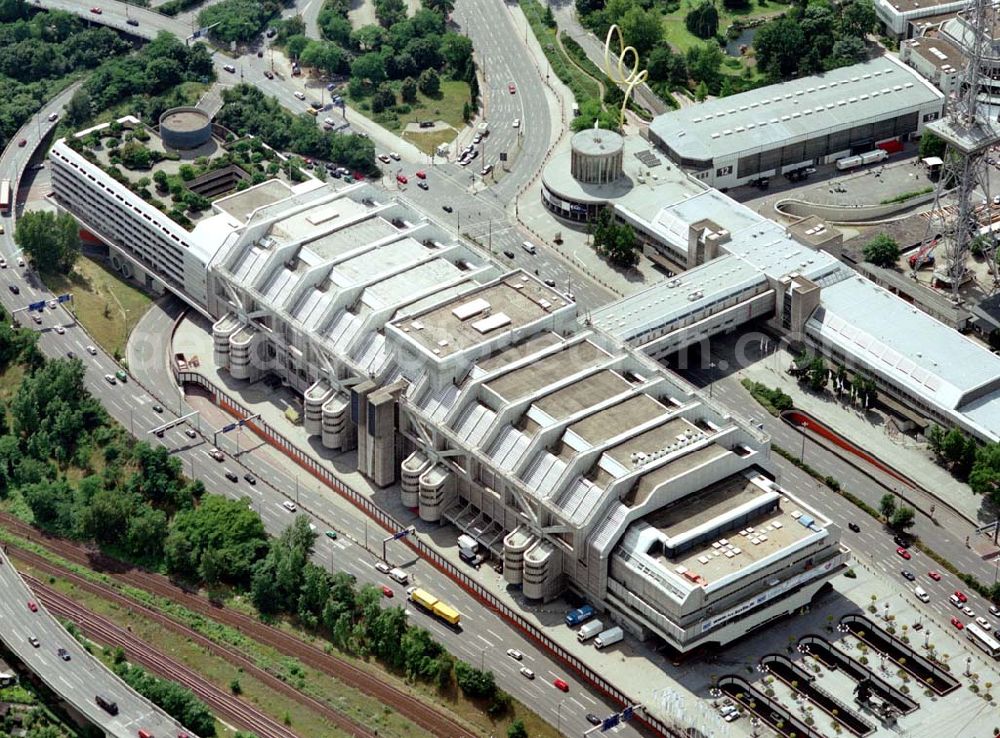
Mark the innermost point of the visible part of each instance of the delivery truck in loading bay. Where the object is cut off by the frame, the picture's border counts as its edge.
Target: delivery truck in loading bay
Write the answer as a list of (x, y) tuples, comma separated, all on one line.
[(611, 635), (579, 615), (439, 608), (589, 630)]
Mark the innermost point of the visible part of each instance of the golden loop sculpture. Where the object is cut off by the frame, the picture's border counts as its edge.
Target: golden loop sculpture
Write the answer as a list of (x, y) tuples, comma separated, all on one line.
[(617, 73)]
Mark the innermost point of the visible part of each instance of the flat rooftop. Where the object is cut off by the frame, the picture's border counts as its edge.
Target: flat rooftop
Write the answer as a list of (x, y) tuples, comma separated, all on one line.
[(529, 379), (336, 220), (589, 391), (905, 6), (653, 440), (937, 51), (519, 350), (597, 428), (241, 204), (784, 113), (479, 316), (648, 483), (764, 535)]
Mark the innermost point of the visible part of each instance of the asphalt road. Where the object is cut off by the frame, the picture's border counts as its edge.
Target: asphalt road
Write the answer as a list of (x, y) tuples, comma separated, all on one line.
[(80, 678), (874, 544)]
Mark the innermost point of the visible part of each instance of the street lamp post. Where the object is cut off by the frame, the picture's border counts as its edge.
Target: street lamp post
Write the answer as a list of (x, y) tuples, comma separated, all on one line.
[(802, 453), (711, 378)]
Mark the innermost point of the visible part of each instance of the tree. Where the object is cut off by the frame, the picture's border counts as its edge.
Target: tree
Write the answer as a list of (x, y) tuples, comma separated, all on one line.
[(641, 29), (935, 438), (616, 242), (51, 241), (517, 730), (474, 683), (295, 45), (703, 20), (984, 479), (237, 20), (383, 99), (369, 68), (881, 251), (858, 19), (846, 51), (703, 64), (334, 26), (390, 12), (429, 83), (902, 519), (444, 7), (931, 145), (778, 45), (887, 506), (79, 108), (325, 56), (408, 90), (456, 50), (664, 65)]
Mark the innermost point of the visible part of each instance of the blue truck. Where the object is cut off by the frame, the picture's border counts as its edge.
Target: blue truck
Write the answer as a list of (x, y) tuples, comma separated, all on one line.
[(579, 615)]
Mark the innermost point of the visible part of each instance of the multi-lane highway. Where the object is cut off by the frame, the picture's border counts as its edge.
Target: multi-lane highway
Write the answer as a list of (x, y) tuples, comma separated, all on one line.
[(51, 653)]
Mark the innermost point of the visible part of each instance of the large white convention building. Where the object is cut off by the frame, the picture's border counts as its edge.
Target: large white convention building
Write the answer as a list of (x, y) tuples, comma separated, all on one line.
[(577, 460)]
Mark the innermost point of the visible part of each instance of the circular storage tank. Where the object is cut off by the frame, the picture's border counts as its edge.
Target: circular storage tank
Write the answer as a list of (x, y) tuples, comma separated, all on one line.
[(597, 156), (185, 128)]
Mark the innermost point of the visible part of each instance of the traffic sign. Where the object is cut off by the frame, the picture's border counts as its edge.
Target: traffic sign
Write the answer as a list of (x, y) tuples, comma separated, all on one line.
[(627, 713), (229, 427), (403, 533), (65, 298), (503, 156), (37, 306), (610, 721)]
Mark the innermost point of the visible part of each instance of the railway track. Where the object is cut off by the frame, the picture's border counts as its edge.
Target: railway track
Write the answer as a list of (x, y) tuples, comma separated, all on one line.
[(426, 716), (224, 705), (334, 717)]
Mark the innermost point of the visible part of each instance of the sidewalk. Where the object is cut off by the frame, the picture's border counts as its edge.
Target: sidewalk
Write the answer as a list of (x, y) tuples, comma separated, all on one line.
[(900, 450)]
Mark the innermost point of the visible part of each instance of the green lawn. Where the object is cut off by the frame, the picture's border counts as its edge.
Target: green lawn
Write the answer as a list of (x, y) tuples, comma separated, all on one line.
[(677, 34), (584, 87), (106, 306)]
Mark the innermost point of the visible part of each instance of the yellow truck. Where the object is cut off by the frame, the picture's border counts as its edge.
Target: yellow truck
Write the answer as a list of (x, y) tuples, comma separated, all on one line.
[(432, 604)]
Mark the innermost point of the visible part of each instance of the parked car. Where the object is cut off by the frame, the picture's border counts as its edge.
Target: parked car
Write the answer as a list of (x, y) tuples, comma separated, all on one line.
[(423, 185), (383, 158), (511, 88), (332, 535), (401, 178), (269, 74), (382, 568), (394, 156), (110, 379), (516, 123), (446, 208), (508, 253), (15, 289), (32, 605), (299, 95), (421, 174), (229, 68), (96, 11), (53, 117), (132, 22)]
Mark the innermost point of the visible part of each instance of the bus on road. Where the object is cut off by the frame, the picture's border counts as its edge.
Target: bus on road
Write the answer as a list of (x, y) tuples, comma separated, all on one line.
[(5, 197), (984, 640)]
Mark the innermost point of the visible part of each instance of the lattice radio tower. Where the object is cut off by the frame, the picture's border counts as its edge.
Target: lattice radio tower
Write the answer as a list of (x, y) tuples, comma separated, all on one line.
[(969, 128)]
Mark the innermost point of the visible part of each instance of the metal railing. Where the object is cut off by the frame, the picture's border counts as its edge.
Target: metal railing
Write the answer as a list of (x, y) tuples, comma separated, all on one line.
[(472, 587)]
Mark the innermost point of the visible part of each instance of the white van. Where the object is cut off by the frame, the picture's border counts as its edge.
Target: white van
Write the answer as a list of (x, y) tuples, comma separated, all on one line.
[(921, 594), (399, 575), (529, 247)]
